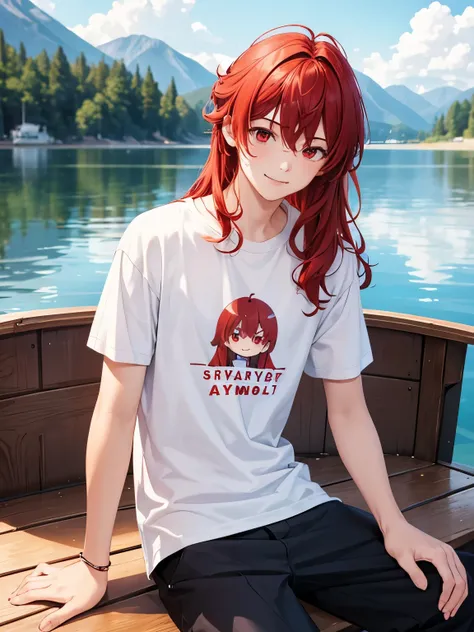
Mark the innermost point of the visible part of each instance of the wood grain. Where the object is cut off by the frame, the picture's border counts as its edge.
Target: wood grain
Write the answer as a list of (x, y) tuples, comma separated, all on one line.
[(396, 354), (43, 439), (19, 364)]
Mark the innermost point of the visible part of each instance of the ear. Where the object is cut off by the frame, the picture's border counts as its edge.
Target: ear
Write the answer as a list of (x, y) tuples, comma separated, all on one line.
[(227, 131)]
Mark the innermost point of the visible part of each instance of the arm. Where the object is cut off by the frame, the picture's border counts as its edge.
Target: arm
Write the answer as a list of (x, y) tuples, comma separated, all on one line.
[(359, 446), (109, 448)]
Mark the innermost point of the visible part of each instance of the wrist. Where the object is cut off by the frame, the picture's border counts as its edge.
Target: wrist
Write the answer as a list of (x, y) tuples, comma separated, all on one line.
[(388, 523), (103, 568)]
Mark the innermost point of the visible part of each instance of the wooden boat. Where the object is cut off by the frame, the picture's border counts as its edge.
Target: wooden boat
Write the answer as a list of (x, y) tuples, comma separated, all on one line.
[(48, 385)]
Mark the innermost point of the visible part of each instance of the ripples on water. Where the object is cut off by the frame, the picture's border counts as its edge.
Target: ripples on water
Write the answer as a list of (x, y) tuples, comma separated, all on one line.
[(63, 211)]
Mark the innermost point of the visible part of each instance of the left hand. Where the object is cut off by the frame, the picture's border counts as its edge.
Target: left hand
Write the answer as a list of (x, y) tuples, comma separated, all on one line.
[(407, 545)]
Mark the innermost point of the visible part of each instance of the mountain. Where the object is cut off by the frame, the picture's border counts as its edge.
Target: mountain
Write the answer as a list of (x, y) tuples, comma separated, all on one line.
[(439, 97), (165, 62), (384, 108), (417, 102), (22, 21), (459, 96)]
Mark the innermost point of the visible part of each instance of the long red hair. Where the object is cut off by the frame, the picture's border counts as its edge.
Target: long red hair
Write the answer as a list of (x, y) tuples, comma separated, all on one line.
[(250, 313), (305, 78)]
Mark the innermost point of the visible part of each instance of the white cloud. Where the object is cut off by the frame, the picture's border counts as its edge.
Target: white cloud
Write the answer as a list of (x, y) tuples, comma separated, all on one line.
[(168, 20), (212, 60), (45, 5), (438, 45), (198, 26)]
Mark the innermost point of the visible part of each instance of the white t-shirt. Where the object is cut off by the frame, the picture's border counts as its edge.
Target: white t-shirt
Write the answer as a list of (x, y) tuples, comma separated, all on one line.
[(226, 341)]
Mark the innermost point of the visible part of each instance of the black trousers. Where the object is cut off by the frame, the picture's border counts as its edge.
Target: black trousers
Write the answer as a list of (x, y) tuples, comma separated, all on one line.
[(332, 556)]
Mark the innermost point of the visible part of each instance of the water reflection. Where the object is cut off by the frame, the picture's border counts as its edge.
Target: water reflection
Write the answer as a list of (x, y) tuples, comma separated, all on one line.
[(62, 212)]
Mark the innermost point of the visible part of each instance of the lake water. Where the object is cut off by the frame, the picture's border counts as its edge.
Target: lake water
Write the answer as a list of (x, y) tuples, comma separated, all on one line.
[(62, 212)]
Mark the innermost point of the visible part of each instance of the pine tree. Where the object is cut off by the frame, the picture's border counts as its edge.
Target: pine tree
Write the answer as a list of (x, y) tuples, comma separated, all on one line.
[(464, 115), (470, 123), (168, 113), (3, 49), (136, 109), (118, 94), (62, 91), (31, 87), (453, 120), (439, 127), (43, 64), (22, 56), (189, 123), (80, 71), (98, 76), (151, 98)]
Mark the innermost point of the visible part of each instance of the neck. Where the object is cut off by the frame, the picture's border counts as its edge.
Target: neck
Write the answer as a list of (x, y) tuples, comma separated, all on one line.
[(261, 219)]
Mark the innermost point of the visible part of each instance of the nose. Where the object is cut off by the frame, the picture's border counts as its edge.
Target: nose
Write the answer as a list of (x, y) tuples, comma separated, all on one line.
[(285, 166)]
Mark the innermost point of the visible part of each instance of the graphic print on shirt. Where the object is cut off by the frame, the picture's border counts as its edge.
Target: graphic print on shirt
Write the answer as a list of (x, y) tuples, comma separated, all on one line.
[(246, 334)]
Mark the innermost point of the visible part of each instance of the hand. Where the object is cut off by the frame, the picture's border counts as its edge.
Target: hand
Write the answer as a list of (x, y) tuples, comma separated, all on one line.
[(407, 545), (78, 586)]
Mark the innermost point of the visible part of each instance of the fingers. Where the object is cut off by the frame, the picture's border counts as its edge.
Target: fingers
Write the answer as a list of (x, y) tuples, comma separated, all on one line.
[(39, 593), (31, 583), (59, 616), (41, 571), (460, 591), (411, 567), (454, 585)]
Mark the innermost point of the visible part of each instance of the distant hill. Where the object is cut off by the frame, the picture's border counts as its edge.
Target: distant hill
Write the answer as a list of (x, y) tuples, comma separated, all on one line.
[(165, 62), (417, 102), (381, 106), (439, 97), (22, 21), (460, 96)]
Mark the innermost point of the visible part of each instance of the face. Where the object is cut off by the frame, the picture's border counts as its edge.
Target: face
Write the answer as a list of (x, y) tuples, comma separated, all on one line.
[(274, 169), (247, 346)]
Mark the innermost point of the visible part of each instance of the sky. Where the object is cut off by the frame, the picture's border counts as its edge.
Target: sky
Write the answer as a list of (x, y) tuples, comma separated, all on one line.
[(420, 44)]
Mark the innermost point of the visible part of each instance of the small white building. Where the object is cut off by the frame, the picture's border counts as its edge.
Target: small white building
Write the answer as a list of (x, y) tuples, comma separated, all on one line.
[(31, 134)]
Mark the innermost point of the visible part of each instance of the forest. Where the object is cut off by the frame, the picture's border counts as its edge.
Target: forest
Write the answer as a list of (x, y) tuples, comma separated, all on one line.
[(76, 99)]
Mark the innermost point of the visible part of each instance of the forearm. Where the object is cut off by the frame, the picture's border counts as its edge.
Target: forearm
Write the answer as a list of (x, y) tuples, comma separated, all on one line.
[(360, 449), (109, 448)]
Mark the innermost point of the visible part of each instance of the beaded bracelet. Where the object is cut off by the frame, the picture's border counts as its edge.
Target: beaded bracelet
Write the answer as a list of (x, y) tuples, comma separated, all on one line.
[(97, 568)]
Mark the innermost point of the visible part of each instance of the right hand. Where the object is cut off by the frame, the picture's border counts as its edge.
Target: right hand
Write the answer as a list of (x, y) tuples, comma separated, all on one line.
[(78, 586)]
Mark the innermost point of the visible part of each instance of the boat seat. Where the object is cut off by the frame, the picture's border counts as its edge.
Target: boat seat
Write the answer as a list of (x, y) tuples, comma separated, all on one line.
[(49, 527)]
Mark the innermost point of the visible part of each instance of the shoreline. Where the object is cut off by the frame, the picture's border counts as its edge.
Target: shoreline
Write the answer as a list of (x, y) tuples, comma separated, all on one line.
[(466, 145)]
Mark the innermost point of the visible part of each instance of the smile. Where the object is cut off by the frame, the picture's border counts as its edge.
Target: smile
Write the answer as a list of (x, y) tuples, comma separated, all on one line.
[(273, 179)]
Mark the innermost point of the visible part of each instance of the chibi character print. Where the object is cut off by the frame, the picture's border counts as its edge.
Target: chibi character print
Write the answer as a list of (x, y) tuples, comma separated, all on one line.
[(246, 334)]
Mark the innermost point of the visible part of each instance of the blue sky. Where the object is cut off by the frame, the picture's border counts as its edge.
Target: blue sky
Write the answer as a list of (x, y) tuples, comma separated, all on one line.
[(211, 30)]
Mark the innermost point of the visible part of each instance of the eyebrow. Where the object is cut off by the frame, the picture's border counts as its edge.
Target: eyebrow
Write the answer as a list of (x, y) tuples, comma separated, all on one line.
[(270, 121)]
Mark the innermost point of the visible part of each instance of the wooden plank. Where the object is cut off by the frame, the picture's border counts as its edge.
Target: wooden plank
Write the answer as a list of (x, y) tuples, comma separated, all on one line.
[(449, 519), (393, 406), (126, 577), (70, 502), (67, 316), (453, 375), (307, 420), (37, 509), (396, 354), (432, 327), (329, 470), (45, 319), (410, 489), (43, 439), (66, 360), (455, 360), (58, 541), (431, 399), (19, 364)]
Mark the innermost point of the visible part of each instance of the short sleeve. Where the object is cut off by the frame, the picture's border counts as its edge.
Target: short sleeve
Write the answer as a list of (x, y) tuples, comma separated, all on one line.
[(126, 319), (341, 347)]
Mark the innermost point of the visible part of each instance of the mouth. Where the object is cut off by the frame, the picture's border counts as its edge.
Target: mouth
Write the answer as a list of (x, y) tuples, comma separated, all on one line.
[(273, 179)]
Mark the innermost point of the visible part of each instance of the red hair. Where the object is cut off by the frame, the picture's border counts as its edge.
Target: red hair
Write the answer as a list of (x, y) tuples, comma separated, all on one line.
[(306, 79), (249, 313)]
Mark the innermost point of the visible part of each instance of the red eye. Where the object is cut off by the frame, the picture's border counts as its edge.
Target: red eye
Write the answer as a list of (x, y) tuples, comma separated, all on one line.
[(310, 152), (236, 336), (257, 340), (262, 135)]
